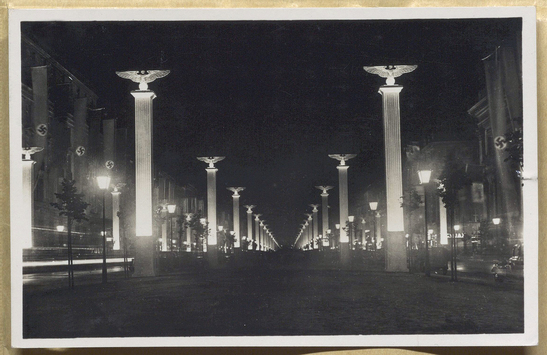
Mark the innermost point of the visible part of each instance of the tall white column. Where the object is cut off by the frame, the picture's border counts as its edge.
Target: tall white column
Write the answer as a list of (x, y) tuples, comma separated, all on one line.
[(257, 231), (395, 246), (396, 243), (189, 240), (249, 223), (237, 232), (344, 204), (324, 208), (115, 219), (27, 200), (261, 231), (144, 241), (164, 246), (315, 226)]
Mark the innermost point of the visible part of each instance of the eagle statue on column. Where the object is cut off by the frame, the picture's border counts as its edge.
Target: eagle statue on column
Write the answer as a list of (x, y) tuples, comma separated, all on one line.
[(390, 72), (143, 77)]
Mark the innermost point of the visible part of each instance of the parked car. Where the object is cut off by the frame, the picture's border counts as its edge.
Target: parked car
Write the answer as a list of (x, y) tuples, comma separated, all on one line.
[(511, 267)]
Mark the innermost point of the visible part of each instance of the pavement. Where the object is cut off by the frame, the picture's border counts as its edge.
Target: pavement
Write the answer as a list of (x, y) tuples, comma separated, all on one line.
[(271, 299)]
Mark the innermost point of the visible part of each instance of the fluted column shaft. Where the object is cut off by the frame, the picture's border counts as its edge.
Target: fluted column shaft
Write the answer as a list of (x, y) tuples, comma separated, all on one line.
[(396, 246), (27, 201), (236, 221), (343, 187), (315, 228), (144, 258), (250, 227), (325, 213)]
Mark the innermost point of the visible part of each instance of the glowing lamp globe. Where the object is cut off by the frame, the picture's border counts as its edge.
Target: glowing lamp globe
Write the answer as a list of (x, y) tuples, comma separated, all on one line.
[(103, 182), (425, 176)]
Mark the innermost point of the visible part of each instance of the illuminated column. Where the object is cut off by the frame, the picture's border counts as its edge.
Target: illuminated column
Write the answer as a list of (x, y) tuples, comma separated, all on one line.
[(212, 248), (189, 232), (344, 206), (324, 207), (250, 223), (315, 226), (236, 229), (261, 229), (116, 219), (27, 212), (309, 226), (396, 243), (257, 231), (144, 241)]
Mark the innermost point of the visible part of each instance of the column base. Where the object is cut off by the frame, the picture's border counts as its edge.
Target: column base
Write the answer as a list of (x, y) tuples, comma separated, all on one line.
[(212, 256), (396, 252), (145, 257), (344, 254)]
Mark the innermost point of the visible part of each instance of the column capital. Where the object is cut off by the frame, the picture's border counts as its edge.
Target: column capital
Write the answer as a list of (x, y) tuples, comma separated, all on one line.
[(211, 170), (28, 151), (342, 157), (143, 94), (314, 207), (342, 167), (249, 208), (211, 160), (235, 190), (324, 189), (385, 89)]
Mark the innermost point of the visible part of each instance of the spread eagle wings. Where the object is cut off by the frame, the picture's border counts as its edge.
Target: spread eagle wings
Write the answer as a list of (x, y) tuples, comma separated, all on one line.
[(390, 71), (140, 76)]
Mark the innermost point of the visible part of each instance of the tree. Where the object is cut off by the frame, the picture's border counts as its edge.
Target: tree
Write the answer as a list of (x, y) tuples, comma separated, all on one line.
[(202, 230), (452, 179), (411, 201), (72, 206)]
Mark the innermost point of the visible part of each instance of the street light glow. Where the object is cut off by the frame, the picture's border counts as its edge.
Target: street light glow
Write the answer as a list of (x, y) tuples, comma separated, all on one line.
[(373, 206), (171, 208), (425, 176), (60, 228), (496, 221), (103, 182), (351, 218)]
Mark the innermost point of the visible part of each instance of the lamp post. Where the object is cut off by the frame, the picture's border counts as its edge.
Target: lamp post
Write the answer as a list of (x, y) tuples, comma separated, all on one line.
[(351, 234), (425, 176), (496, 221), (104, 183), (171, 209), (373, 207)]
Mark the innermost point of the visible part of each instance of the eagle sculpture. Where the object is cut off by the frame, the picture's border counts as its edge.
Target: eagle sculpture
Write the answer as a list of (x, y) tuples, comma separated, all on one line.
[(143, 77), (211, 160), (390, 72), (342, 157)]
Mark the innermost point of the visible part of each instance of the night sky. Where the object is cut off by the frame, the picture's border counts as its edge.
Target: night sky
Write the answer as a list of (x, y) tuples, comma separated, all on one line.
[(276, 97)]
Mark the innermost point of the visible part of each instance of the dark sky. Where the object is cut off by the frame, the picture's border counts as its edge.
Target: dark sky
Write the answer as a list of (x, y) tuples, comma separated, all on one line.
[(276, 97)]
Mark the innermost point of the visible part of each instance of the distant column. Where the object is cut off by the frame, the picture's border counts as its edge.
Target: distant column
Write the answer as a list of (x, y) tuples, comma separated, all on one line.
[(189, 232), (315, 226), (235, 198), (250, 223), (212, 248), (27, 212), (324, 208), (344, 205), (257, 231)]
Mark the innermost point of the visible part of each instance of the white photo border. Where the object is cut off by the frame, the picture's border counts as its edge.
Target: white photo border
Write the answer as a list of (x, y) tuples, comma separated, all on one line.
[(530, 173)]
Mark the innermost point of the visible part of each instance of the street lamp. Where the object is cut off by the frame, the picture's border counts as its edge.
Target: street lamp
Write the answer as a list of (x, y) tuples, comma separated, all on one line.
[(351, 236), (373, 207), (60, 228), (104, 183), (425, 176), (496, 222), (171, 209)]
